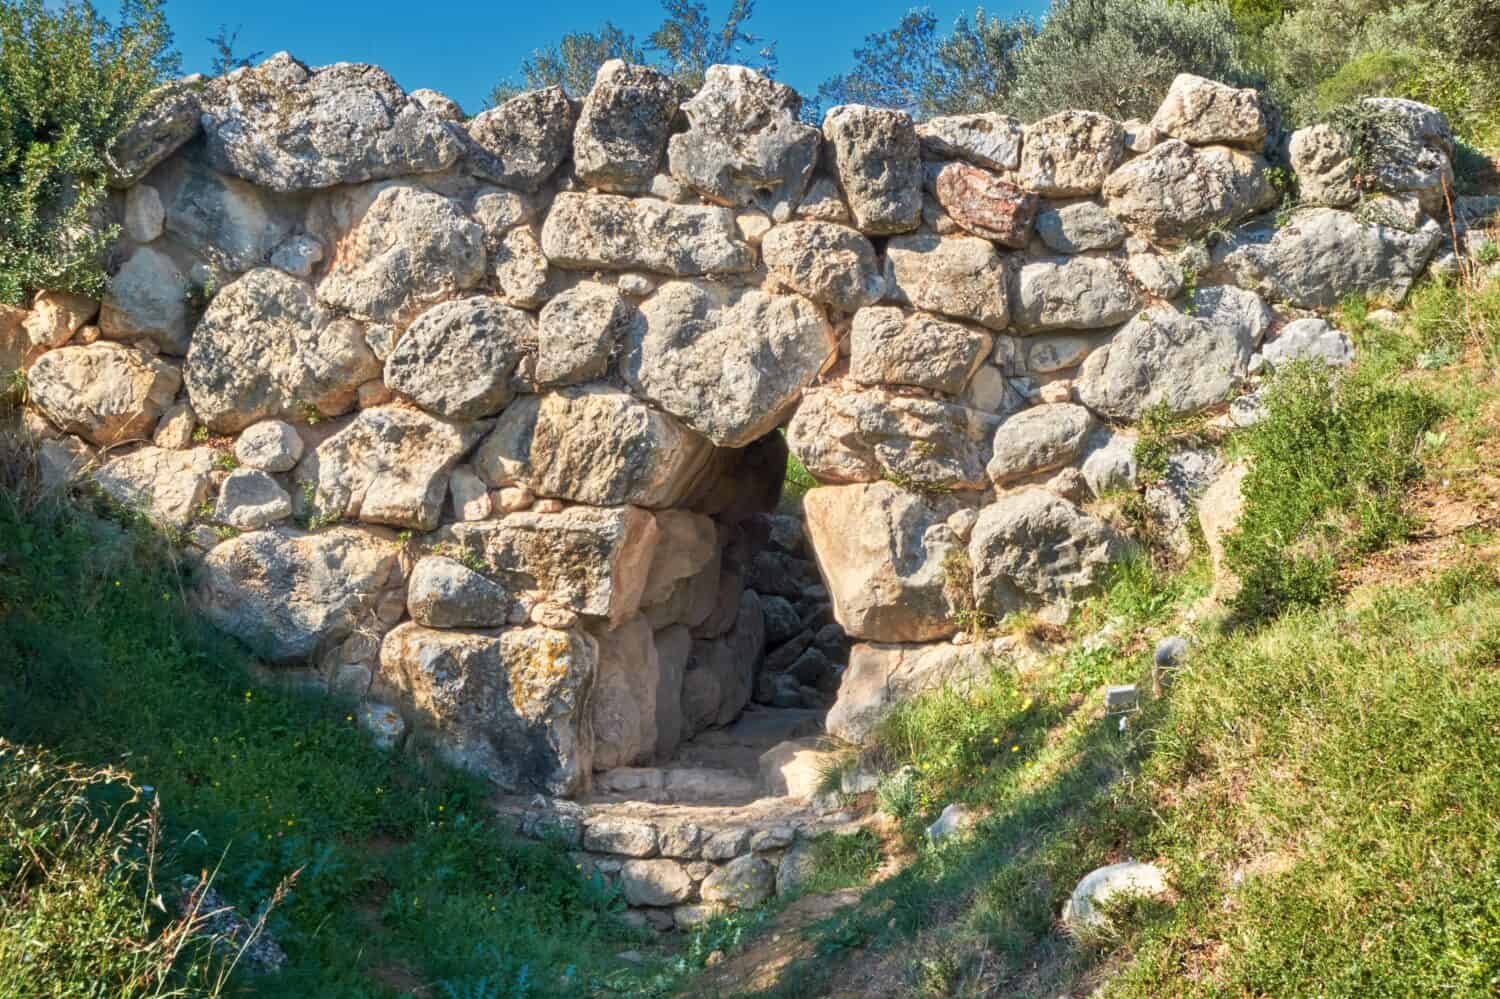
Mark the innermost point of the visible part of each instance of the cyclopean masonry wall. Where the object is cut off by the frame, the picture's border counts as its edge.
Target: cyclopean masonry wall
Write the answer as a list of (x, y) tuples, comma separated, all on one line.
[(478, 418)]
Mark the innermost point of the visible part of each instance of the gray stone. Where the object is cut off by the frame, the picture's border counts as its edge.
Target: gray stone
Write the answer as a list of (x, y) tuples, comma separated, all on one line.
[(1034, 549), (226, 221), (888, 345), (1078, 227), (1083, 908), (1411, 150), (1322, 157), (824, 203), (1185, 360), (440, 104), (876, 158), (1204, 112), (954, 820), (510, 704), (444, 593), (1071, 293), (828, 263), (1109, 462), (623, 126), (144, 213), (147, 297), (390, 465), (1048, 354), (782, 622), (523, 141), (287, 594), (288, 128), (266, 348), (745, 143), (882, 676), (729, 362), (299, 255), (743, 883), (1177, 192), (457, 359), (961, 277), (105, 392), (270, 445), (1039, 439), (590, 231), (990, 140), (250, 499), (578, 333), (520, 268), (167, 486), (655, 882), (1070, 153), (166, 121), (1322, 256), (1309, 340)]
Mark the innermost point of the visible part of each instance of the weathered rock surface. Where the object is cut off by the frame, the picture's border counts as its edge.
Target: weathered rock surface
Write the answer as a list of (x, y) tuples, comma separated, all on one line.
[(743, 883), (875, 156), (444, 593), (523, 141), (167, 120), (592, 560), (617, 233), (509, 704), (223, 219), (882, 550), (105, 393), (1083, 908), (1309, 340), (623, 126), (985, 204), (1070, 153), (744, 143), (1050, 293), (1078, 228), (881, 676), (895, 347), (167, 486), (1322, 255), (990, 140), (828, 263), (288, 594), (250, 499), (1176, 192), (1322, 157), (147, 297), (578, 332), (56, 315), (266, 348), (1204, 112), (729, 362), (1034, 548), (286, 127), (659, 882), (1185, 360), (457, 359), (622, 704), (1039, 439), (270, 445), (962, 277), (390, 465)]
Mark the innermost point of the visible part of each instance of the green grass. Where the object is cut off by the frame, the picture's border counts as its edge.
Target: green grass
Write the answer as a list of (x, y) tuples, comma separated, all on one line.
[(401, 879)]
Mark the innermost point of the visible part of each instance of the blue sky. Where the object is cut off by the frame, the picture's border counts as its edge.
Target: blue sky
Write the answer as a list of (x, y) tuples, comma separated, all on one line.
[(462, 46)]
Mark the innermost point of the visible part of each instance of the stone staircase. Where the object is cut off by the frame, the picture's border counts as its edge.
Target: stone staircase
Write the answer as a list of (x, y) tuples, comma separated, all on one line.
[(705, 831)]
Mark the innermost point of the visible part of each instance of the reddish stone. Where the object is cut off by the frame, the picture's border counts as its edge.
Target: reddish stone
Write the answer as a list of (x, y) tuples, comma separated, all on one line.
[(982, 203)]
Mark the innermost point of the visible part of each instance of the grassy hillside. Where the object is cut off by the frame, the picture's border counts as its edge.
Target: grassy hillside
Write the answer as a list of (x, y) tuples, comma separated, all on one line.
[(1317, 779)]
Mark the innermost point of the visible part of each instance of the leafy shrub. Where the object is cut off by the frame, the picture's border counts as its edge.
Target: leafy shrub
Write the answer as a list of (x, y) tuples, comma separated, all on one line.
[(69, 80), (1327, 466)]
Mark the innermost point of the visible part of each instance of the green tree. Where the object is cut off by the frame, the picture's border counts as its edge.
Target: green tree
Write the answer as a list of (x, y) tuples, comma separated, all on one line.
[(69, 80), (571, 63)]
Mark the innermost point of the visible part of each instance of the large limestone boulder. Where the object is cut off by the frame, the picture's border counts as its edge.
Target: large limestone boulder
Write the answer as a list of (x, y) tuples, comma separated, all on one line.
[(167, 486), (400, 248), (266, 348), (745, 143), (658, 882), (1071, 293), (592, 560), (106, 393), (520, 268), (990, 140), (511, 705), (882, 676), (222, 219), (578, 333), (595, 444), (590, 231), (826, 262), (444, 593), (390, 465), (623, 126), (458, 358), (622, 705), (985, 204), (896, 347), (288, 594), (864, 436), (1039, 439), (1310, 339), (729, 362), (284, 126), (147, 297), (1035, 549), (876, 158), (1078, 227), (167, 120), (1322, 157), (1187, 360), (1322, 256), (1070, 153), (1203, 112), (883, 552), (523, 141), (962, 277), (1411, 149), (1177, 192), (688, 542)]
